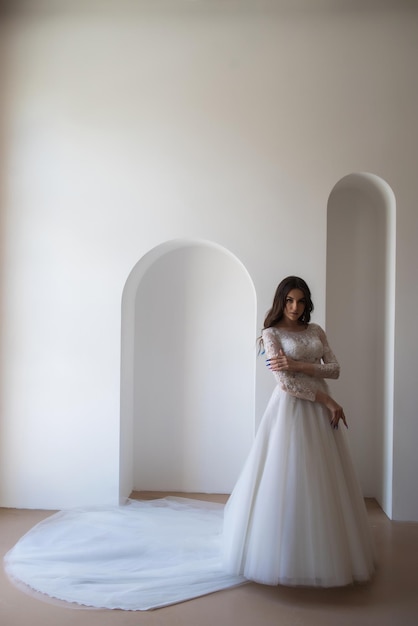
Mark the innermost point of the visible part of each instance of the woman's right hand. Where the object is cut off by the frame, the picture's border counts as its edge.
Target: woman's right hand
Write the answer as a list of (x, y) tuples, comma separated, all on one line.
[(335, 409)]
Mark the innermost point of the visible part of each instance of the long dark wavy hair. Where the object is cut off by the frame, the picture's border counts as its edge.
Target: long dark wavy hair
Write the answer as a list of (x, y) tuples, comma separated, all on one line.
[(275, 314)]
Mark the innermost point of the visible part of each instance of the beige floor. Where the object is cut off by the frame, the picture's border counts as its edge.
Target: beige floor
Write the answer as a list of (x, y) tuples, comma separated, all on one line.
[(391, 599)]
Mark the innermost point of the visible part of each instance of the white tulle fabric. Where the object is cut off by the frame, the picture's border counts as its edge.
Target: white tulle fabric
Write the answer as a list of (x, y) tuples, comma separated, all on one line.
[(143, 555), (295, 517)]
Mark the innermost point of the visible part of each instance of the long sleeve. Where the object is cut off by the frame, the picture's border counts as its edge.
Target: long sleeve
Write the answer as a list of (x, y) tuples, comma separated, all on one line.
[(329, 368)]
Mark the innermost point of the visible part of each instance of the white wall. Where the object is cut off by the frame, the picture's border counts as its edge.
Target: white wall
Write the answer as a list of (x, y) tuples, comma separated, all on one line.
[(125, 125), (194, 371), (360, 300)]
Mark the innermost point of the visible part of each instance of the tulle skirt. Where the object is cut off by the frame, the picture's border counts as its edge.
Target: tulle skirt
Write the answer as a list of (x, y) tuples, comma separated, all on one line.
[(295, 517)]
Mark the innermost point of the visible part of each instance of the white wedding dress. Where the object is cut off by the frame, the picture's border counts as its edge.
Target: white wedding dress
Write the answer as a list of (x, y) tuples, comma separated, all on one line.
[(296, 516)]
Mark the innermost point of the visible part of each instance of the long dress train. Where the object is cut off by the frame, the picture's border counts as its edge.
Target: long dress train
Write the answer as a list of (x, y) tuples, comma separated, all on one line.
[(139, 556)]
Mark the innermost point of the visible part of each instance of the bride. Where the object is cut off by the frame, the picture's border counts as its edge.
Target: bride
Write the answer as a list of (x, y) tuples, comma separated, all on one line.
[(295, 517)]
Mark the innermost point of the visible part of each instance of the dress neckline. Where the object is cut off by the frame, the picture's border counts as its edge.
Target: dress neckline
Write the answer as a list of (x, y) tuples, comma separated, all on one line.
[(289, 330)]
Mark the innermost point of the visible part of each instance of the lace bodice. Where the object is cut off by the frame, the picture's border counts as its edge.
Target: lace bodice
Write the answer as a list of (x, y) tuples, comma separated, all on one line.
[(309, 345)]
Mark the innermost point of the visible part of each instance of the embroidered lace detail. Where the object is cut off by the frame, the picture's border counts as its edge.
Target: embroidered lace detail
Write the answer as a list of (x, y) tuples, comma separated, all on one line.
[(310, 346)]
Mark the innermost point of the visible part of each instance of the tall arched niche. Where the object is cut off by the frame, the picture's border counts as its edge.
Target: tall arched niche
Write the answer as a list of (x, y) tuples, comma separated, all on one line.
[(360, 305), (187, 370)]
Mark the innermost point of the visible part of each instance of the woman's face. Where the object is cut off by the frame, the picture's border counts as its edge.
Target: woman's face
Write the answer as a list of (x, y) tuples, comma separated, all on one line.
[(295, 304)]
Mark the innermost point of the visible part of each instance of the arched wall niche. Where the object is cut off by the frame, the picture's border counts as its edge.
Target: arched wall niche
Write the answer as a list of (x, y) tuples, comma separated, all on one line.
[(187, 370), (360, 313)]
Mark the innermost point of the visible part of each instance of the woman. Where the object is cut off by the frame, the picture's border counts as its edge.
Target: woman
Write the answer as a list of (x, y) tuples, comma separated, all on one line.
[(297, 515)]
